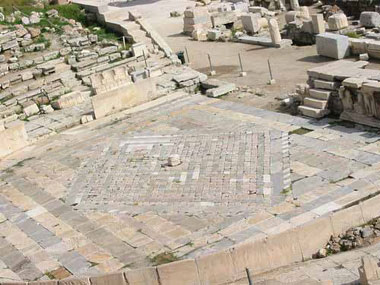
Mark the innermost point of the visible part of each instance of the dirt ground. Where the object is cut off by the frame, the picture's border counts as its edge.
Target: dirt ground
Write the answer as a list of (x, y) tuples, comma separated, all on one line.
[(289, 65)]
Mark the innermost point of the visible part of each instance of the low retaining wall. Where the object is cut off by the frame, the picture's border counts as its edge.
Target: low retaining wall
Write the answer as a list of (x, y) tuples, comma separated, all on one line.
[(13, 138), (228, 266), (124, 97)]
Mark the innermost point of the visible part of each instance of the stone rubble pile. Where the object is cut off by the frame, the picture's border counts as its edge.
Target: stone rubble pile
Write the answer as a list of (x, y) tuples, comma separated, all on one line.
[(235, 21), (351, 239)]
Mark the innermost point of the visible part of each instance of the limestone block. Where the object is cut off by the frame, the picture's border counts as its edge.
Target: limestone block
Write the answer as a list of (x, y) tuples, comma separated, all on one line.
[(109, 279), (284, 249), (355, 83), (74, 281), (318, 23), (240, 6), (337, 22), (358, 46), (364, 56), (45, 282), (370, 208), (7, 37), (107, 50), (51, 55), (373, 49), (9, 45), (196, 12), (27, 75), (196, 20), (224, 18), (291, 16), (216, 268), (263, 23), (257, 9), (307, 27), (369, 271), (304, 13), (327, 85), (332, 45), (124, 97), (69, 100), (86, 118), (139, 49), (214, 34), (369, 19), (180, 272), (30, 108), (199, 35), (314, 235), (147, 275), (47, 109), (251, 255), (221, 90), (346, 218), (13, 138), (251, 23)]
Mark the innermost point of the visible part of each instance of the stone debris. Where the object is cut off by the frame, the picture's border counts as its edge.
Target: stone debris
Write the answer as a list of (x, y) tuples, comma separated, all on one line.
[(216, 88), (337, 22), (174, 160), (351, 239)]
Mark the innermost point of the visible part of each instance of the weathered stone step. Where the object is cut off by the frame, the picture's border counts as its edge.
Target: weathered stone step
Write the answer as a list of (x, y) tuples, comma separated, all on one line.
[(327, 85), (319, 94), (313, 112), (315, 103)]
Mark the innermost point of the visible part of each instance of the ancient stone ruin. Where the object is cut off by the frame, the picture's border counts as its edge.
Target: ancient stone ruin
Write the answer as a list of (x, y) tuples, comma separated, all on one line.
[(189, 142)]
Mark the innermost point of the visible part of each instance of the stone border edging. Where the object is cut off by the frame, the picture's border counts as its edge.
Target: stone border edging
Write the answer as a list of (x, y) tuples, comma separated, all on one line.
[(227, 266)]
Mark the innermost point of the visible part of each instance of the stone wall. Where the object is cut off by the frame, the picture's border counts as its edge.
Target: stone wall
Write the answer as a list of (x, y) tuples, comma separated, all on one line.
[(124, 97), (258, 256), (110, 79), (12, 138), (361, 101)]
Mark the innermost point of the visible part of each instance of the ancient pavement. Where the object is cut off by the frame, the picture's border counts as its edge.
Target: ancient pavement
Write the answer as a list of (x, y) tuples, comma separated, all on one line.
[(99, 197)]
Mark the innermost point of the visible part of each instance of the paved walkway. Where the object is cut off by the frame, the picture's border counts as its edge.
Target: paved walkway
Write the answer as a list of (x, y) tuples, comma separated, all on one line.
[(80, 203)]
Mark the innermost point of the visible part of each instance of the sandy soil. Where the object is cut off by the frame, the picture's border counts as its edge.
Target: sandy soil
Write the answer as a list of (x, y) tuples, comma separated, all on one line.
[(289, 65)]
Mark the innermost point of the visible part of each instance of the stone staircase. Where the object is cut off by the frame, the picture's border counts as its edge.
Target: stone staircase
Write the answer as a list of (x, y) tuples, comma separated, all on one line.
[(315, 105)]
